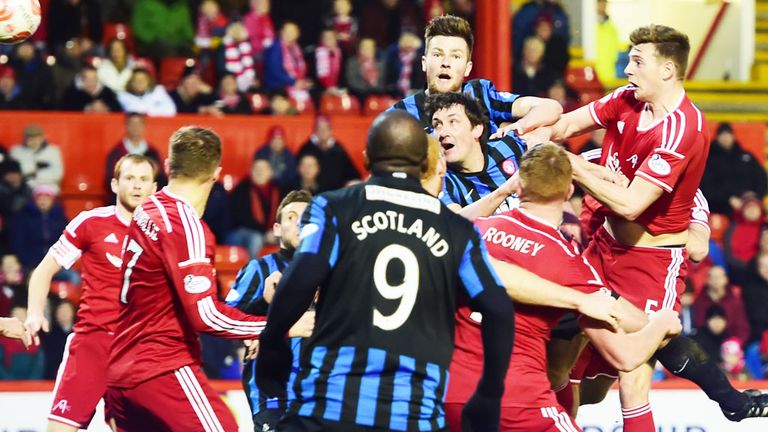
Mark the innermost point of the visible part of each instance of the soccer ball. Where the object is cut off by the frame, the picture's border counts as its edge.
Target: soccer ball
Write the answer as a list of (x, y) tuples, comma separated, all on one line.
[(18, 20)]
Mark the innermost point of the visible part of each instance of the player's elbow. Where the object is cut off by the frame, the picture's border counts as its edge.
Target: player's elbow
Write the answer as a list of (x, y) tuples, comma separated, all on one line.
[(629, 211)]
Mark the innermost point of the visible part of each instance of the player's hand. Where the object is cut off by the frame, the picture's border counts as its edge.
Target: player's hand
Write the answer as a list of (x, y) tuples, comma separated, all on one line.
[(304, 326), (273, 366), (481, 413), (671, 320), (512, 184), (270, 285), (13, 328), (601, 307), (251, 349), (518, 127), (34, 323)]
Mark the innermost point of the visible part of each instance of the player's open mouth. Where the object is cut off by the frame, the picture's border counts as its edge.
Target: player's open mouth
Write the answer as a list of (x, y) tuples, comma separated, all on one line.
[(447, 146), (444, 77)]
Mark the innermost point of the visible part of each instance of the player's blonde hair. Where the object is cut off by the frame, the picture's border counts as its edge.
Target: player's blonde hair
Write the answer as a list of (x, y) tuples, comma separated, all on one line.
[(194, 153), (670, 44), (545, 173), (135, 159), (434, 150)]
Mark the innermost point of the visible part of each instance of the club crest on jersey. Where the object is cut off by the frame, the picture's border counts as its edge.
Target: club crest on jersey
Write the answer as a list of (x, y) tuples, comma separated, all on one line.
[(658, 165), (509, 167), (196, 284)]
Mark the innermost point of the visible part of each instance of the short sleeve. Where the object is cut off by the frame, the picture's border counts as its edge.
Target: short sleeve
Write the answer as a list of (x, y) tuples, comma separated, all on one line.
[(700, 210), (248, 288), (475, 271), (605, 110), (667, 162), (72, 242), (499, 102), (319, 232)]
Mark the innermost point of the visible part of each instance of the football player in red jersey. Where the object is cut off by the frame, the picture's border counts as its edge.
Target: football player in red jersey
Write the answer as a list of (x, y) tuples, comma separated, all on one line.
[(654, 155), (95, 236)]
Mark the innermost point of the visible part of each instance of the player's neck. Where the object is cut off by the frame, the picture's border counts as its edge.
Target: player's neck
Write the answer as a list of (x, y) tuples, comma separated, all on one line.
[(475, 161), (666, 101), (194, 193), (551, 213), (123, 213)]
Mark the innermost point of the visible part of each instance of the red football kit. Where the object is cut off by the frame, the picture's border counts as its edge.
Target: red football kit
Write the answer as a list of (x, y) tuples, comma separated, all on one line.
[(96, 237), (528, 403), (670, 153), (168, 295)]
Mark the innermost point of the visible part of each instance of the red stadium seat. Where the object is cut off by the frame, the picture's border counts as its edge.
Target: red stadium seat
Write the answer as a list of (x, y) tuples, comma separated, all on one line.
[(582, 79), (303, 106), (120, 31), (339, 105), (268, 249), (66, 291), (171, 69), (259, 102), (230, 258), (375, 104), (226, 282), (718, 223), (588, 96)]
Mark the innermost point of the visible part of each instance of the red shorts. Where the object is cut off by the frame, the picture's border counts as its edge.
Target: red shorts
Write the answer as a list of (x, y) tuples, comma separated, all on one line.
[(590, 365), (82, 379), (180, 400), (520, 419), (651, 278)]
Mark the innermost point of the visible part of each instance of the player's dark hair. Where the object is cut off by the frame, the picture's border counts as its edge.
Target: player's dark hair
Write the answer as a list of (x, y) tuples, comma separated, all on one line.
[(670, 44), (194, 153), (545, 173), (300, 196), (397, 142), (450, 25), (135, 159), (439, 101)]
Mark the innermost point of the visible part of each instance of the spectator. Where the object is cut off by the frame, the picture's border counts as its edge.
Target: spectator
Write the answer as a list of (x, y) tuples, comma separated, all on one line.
[(54, 341), (345, 26), (143, 95), (284, 65), (193, 96), (218, 213), (308, 173), (211, 27), (607, 44), (280, 159), (260, 29), (14, 194), (16, 361), (115, 70), (336, 168), (40, 161), (37, 226), (712, 334), (385, 20), (433, 9), (718, 291), (328, 61), (404, 74), (741, 241), (10, 91), (524, 22), (70, 61), (162, 28), (236, 57), (565, 95), (531, 78), (556, 55), (755, 296), (280, 104), (34, 77), (254, 203), (12, 290), (133, 142), (595, 142), (732, 353), (69, 19), (364, 72), (730, 172), (87, 94), (231, 100)]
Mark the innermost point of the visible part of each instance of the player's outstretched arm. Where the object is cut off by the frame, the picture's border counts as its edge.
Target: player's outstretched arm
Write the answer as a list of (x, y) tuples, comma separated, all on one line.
[(486, 205), (626, 351), (13, 328), (39, 286), (526, 287), (534, 112)]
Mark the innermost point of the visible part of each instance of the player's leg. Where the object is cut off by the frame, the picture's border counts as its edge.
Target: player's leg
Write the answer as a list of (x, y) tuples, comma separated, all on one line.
[(127, 416), (593, 390), (562, 355), (634, 388), (544, 419), (453, 416), (80, 382)]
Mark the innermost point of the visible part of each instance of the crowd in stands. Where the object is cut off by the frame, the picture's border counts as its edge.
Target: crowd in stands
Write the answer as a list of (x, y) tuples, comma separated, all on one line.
[(163, 57)]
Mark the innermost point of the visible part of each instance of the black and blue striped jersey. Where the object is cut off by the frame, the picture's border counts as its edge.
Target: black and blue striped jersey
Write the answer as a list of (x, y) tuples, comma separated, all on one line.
[(247, 294), (502, 160), (496, 105), (383, 337)]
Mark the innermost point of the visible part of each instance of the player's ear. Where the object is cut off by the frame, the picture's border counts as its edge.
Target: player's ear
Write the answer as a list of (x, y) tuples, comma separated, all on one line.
[(277, 230), (669, 71), (167, 166), (216, 174), (569, 194), (113, 186), (477, 131), (423, 63), (468, 69)]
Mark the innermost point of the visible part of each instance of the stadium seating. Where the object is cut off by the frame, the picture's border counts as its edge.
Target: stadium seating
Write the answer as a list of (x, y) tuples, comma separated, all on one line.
[(171, 69), (230, 258), (119, 31), (339, 105), (374, 104)]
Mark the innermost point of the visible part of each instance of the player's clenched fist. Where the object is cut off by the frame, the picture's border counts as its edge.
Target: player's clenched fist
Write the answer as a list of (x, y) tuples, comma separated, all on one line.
[(602, 307), (304, 326), (670, 318), (34, 323)]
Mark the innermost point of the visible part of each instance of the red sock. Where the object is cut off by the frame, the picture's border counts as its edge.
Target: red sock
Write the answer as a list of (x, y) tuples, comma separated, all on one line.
[(565, 396), (638, 419)]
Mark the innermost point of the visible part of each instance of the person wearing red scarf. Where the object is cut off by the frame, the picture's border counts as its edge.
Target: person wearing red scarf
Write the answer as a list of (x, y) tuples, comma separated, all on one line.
[(259, 25), (254, 203), (328, 60), (284, 65), (364, 73)]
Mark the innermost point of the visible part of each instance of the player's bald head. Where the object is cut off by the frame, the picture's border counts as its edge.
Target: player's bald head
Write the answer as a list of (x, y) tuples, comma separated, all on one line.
[(396, 140)]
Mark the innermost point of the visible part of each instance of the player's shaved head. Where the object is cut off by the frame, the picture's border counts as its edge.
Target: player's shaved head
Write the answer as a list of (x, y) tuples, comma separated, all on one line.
[(397, 142)]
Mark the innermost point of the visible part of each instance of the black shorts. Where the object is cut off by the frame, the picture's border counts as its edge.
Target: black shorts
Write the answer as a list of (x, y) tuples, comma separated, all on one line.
[(567, 328)]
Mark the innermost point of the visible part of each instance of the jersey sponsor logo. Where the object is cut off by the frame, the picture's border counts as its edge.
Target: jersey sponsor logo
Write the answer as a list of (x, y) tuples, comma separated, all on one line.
[(196, 284), (394, 221), (633, 160), (512, 242), (620, 126), (145, 223), (612, 163), (111, 238), (403, 198), (658, 165), (115, 261), (509, 167), (307, 230), (62, 406)]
